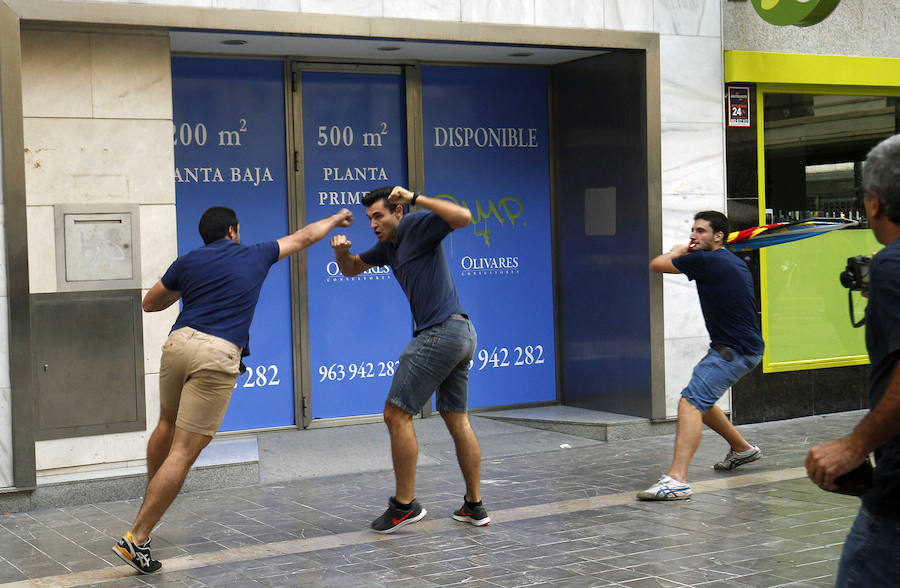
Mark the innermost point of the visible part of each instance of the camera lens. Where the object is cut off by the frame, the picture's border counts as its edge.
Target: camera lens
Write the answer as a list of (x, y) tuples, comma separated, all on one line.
[(846, 279)]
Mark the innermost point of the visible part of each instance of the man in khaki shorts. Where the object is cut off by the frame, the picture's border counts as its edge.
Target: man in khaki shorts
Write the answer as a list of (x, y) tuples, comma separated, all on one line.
[(219, 286)]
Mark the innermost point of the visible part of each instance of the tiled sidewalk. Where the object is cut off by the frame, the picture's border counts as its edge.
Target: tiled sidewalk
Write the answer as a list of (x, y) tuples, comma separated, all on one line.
[(562, 517)]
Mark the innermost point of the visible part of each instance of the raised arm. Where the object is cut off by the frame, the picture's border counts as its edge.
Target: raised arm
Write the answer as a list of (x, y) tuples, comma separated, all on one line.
[(662, 264), (456, 216), (349, 264), (159, 298), (312, 233)]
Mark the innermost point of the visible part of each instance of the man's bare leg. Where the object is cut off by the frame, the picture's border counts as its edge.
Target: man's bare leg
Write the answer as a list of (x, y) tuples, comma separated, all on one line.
[(160, 443), (716, 420), (687, 439), (468, 451), (404, 451), (167, 482)]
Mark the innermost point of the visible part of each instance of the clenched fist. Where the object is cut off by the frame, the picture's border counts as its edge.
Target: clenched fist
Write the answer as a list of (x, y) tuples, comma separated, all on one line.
[(340, 243), (400, 195), (345, 218)]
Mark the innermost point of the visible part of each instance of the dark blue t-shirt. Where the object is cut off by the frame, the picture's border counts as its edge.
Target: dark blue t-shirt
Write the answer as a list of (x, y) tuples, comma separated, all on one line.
[(883, 345), (726, 294), (219, 285), (418, 262)]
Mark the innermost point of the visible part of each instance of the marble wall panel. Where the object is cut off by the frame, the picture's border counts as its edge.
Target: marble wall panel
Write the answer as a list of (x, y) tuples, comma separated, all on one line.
[(3, 276), (681, 356), (678, 214), (586, 14), (41, 249), (277, 5), (4, 349), (628, 15), (156, 328), (342, 7), (683, 317), (691, 79), (56, 74), (131, 76), (498, 11), (423, 9), (6, 452), (158, 241), (64, 453), (87, 161), (693, 158), (687, 17)]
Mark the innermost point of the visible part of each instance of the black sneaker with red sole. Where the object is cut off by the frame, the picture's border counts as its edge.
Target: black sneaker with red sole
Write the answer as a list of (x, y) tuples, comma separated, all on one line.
[(472, 513), (395, 517)]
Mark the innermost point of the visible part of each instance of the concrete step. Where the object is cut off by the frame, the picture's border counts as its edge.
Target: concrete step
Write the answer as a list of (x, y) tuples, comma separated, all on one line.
[(227, 462), (583, 422)]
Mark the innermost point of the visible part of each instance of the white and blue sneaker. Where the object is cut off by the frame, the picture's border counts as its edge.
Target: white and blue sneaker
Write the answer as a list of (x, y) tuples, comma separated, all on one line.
[(667, 488), (738, 458)]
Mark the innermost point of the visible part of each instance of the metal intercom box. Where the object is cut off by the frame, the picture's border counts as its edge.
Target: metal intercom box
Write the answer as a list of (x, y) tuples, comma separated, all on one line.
[(97, 247)]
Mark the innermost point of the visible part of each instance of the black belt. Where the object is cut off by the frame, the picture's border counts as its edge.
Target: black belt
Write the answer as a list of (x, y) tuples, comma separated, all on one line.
[(724, 351)]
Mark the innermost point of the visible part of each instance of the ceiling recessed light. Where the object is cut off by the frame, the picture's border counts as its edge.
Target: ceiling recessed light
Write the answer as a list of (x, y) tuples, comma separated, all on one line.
[(389, 48), (234, 42), (521, 54)]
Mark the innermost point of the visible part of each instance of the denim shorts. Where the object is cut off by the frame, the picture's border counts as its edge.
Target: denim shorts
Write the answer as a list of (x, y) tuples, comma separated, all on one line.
[(437, 359), (714, 375), (871, 554)]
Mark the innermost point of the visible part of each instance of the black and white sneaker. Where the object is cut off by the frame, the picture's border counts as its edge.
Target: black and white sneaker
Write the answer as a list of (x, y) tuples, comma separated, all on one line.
[(137, 556), (395, 517), (472, 513)]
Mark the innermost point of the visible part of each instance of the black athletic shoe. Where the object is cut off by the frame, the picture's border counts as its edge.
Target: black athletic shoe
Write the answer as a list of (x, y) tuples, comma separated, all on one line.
[(472, 513), (137, 556), (395, 517)]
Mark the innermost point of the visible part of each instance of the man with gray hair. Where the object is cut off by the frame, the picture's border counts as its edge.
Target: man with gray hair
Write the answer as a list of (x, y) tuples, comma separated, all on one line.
[(871, 554)]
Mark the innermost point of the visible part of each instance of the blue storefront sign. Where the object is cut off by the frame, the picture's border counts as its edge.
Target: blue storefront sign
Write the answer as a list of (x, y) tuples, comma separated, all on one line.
[(229, 136), (486, 147), (354, 140)]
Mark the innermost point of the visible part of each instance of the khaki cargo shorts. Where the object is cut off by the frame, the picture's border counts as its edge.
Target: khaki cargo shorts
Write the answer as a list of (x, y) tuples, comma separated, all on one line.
[(197, 375)]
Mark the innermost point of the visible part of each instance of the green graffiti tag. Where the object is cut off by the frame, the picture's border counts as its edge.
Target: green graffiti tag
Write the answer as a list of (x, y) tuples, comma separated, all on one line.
[(506, 209)]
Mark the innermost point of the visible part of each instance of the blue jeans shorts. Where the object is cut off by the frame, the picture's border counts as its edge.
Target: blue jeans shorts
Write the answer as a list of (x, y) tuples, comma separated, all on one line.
[(714, 375), (871, 554), (436, 359)]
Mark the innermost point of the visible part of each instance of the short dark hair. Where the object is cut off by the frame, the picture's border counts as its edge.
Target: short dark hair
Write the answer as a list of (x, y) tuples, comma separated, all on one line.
[(379, 194), (215, 222), (718, 222)]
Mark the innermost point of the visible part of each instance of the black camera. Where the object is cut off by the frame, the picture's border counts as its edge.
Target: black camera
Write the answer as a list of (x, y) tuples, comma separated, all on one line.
[(856, 278), (856, 275)]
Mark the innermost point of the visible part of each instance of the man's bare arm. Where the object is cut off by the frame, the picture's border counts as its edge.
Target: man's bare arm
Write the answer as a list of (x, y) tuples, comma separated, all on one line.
[(349, 264), (662, 264), (456, 216), (159, 298), (312, 233)]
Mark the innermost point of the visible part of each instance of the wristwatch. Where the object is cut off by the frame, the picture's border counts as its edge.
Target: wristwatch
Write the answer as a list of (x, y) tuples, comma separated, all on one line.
[(413, 200)]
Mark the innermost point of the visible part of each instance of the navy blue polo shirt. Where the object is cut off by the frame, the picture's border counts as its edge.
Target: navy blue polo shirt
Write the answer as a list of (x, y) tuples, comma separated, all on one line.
[(420, 267), (726, 294), (219, 285)]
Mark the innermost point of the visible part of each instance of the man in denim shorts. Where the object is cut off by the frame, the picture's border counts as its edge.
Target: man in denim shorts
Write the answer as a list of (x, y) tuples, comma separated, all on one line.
[(219, 286), (726, 294), (443, 342)]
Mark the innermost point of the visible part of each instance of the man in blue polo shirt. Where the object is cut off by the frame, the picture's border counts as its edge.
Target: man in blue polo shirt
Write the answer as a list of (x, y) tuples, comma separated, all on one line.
[(726, 294), (443, 342), (219, 286)]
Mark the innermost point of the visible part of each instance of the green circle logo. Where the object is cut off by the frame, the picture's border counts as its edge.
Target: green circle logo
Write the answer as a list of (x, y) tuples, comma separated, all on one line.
[(794, 12)]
